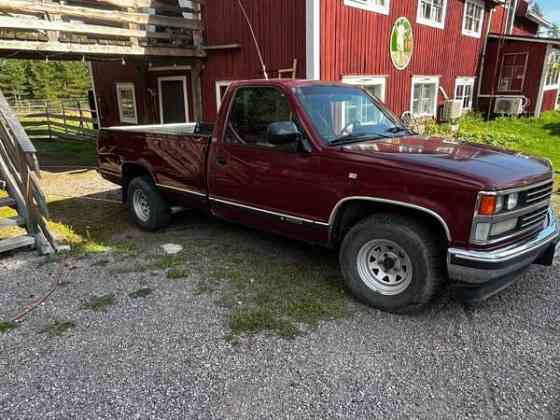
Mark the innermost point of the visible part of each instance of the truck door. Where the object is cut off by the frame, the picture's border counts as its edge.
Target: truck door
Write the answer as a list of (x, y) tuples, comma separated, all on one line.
[(273, 187)]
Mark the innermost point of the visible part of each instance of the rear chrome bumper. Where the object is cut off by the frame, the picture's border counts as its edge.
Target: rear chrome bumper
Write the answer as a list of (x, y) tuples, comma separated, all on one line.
[(496, 270)]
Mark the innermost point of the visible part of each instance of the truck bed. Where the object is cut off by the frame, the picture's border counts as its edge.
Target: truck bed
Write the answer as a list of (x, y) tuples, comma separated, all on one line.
[(173, 155)]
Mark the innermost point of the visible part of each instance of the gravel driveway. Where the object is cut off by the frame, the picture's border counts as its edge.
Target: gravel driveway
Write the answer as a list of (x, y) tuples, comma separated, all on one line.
[(165, 355)]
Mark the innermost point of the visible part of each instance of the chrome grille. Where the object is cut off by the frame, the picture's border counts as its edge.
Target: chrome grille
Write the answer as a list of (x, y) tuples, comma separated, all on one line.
[(540, 193), (534, 219)]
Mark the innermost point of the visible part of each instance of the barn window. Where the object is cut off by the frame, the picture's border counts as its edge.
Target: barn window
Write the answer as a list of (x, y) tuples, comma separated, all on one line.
[(375, 85), (379, 6), (424, 95), (126, 99), (221, 89), (512, 75), (553, 71), (473, 17), (464, 88), (432, 12)]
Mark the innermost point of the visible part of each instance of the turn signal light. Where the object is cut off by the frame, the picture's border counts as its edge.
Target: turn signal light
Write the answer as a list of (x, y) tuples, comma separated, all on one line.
[(487, 205)]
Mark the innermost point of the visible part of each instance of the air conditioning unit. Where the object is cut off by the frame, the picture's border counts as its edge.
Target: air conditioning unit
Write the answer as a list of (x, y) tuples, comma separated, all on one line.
[(509, 106), (452, 110)]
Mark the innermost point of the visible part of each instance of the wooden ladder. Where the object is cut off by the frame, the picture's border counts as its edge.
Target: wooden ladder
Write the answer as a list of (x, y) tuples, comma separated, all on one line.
[(19, 178)]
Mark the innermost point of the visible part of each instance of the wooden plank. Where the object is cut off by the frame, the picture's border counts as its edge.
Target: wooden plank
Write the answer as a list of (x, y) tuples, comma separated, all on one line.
[(12, 221), (7, 202), (142, 3), (18, 242), (14, 125), (221, 47), (81, 28), (99, 50), (38, 8)]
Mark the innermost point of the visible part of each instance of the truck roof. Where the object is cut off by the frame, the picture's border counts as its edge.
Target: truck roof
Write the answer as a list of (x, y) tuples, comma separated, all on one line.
[(290, 83)]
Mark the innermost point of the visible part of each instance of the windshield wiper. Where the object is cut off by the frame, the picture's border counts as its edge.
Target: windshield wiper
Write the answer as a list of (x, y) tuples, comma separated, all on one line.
[(396, 129), (355, 138)]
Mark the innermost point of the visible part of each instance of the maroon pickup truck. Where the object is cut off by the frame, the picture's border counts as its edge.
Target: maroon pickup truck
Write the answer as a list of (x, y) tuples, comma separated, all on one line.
[(327, 163)]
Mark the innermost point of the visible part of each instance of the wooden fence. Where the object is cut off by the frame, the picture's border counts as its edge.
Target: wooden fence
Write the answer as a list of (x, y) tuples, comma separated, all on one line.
[(57, 119)]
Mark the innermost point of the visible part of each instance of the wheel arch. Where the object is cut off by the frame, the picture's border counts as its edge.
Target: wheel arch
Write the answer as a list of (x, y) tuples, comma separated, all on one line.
[(351, 210), (131, 170)]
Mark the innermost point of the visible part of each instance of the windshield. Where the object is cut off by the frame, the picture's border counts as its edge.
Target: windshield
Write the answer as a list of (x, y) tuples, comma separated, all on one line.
[(346, 113)]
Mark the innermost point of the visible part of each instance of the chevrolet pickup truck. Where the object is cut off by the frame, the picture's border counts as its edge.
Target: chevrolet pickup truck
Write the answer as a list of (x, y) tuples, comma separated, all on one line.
[(327, 163)]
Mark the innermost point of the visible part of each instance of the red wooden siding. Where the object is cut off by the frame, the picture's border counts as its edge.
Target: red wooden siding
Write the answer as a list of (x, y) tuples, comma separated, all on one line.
[(279, 27), (549, 100), (108, 74), (499, 20), (495, 52), (360, 45), (525, 27)]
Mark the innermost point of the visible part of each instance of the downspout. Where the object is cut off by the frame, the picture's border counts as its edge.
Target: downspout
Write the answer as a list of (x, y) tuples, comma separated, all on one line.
[(540, 97), (483, 54), (512, 15)]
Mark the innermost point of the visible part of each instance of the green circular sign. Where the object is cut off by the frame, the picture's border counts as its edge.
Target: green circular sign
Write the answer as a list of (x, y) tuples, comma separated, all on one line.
[(402, 43)]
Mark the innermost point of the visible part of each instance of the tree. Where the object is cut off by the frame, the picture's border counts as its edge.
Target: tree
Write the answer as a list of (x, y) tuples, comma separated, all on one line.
[(13, 78)]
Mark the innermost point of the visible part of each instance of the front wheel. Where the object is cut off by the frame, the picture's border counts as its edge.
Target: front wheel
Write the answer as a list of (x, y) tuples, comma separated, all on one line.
[(146, 206), (391, 262)]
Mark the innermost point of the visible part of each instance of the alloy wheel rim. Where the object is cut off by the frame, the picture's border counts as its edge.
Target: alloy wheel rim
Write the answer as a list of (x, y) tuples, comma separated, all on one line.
[(385, 267)]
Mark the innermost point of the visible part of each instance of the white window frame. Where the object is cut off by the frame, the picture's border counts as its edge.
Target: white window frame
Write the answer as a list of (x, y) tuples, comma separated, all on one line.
[(368, 81), (555, 53), (122, 86), (465, 81), (429, 22), (500, 76), (370, 5), (468, 32), (220, 84), (185, 93), (417, 80)]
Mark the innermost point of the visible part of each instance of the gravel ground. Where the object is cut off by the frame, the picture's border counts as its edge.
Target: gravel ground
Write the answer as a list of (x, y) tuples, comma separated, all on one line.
[(165, 355)]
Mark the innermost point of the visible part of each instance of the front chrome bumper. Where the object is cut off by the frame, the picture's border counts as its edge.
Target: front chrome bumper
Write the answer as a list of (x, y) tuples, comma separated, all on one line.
[(481, 267)]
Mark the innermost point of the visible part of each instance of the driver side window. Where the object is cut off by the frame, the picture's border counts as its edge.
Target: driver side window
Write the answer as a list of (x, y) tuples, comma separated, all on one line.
[(252, 111)]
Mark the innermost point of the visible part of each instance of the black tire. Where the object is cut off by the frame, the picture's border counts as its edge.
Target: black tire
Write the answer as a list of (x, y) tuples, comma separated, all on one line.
[(424, 253), (159, 214)]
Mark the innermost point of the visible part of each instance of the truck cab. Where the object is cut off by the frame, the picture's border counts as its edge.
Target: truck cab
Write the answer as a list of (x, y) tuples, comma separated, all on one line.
[(327, 163)]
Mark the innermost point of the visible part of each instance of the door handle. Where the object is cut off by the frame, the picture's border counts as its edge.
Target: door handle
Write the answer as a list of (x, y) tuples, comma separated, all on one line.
[(221, 161)]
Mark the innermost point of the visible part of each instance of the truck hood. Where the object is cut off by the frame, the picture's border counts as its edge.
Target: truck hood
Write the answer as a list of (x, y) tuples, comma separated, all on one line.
[(486, 166)]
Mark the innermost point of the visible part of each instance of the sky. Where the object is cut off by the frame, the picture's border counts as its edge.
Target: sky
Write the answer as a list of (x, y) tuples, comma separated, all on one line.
[(551, 9)]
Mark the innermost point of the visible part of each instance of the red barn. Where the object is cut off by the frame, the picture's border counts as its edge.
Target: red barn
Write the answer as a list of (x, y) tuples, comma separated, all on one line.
[(413, 54)]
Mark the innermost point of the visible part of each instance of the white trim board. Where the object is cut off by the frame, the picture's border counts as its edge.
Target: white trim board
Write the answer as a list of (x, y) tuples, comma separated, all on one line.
[(219, 84), (185, 92), (313, 39)]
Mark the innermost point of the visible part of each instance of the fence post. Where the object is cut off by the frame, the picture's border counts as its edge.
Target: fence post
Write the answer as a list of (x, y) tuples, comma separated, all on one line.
[(64, 118), (48, 120), (81, 116)]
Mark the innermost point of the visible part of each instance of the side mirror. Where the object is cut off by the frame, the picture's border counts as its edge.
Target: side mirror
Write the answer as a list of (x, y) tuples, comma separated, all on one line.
[(283, 132)]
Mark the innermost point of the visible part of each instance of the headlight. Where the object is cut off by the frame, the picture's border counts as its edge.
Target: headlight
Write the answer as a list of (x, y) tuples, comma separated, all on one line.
[(512, 201), (503, 227), (491, 204)]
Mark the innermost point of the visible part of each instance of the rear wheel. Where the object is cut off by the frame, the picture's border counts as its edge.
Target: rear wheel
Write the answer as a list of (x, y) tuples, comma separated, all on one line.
[(146, 206), (392, 263)]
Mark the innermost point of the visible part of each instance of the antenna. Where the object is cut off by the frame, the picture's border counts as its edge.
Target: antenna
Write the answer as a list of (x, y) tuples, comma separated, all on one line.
[(254, 38)]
